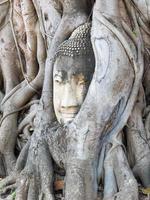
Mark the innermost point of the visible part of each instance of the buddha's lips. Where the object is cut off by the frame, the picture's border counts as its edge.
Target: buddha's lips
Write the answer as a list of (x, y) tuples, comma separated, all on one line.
[(69, 111), (68, 114)]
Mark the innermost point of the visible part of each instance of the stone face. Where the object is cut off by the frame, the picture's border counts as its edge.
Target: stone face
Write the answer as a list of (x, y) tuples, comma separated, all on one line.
[(73, 69)]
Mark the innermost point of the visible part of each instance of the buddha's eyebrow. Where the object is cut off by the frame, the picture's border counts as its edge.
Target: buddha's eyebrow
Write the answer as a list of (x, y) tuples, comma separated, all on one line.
[(58, 74), (62, 74)]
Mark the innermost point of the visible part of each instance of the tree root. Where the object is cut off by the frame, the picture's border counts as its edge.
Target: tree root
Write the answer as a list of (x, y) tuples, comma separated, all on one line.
[(8, 181), (147, 127), (127, 185), (120, 183), (33, 176), (26, 121), (17, 110), (12, 92), (8, 189), (138, 144)]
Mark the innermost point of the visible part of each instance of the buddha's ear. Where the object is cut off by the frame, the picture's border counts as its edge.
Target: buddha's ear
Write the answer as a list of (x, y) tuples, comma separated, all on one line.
[(101, 49)]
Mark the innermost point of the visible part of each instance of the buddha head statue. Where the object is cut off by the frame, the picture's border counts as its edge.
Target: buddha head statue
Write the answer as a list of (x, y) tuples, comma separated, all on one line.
[(73, 70)]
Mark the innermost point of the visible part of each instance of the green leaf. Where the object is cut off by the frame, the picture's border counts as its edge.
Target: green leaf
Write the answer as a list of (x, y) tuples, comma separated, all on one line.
[(13, 195), (145, 190)]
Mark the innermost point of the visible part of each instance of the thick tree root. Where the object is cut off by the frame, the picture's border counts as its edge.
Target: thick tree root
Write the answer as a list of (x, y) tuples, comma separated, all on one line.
[(128, 187), (138, 145), (8, 185), (34, 173), (120, 183)]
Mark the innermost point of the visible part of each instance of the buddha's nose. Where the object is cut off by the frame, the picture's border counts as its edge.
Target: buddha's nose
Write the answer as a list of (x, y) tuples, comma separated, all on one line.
[(69, 97)]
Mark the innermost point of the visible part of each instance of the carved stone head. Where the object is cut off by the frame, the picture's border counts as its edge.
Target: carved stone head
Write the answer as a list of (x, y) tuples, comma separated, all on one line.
[(73, 70)]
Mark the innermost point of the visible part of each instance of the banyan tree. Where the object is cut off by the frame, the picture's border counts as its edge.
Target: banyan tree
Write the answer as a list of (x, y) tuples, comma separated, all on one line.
[(74, 99)]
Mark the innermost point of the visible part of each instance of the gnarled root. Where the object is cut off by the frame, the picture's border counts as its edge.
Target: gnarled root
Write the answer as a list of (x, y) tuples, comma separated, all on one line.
[(127, 184), (138, 146), (7, 186), (120, 183), (33, 176), (80, 182)]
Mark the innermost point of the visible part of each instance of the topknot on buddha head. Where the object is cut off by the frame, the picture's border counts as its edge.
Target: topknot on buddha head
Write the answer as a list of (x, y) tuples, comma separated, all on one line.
[(79, 43)]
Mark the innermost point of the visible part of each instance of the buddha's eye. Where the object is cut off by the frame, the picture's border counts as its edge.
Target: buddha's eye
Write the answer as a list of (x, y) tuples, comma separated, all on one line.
[(82, 82), (58, 79)]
